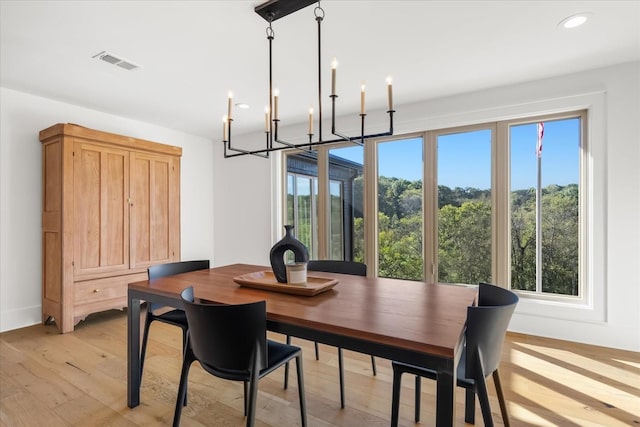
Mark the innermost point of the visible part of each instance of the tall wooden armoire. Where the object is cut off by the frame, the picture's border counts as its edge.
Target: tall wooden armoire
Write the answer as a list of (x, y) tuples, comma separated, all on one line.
[(110, 208)]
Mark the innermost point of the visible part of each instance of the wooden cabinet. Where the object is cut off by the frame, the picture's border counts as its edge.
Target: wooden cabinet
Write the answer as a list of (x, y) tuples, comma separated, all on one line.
[(111, 208)]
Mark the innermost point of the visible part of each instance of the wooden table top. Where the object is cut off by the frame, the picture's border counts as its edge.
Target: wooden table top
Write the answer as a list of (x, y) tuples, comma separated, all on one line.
[(428, 318)]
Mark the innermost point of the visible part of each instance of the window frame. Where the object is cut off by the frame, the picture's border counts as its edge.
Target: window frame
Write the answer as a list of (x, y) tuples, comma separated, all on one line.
[(431, 153), (583, 213)]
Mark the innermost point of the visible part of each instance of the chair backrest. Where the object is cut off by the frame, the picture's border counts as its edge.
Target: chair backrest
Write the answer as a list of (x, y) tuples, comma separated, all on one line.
[(169, 269), (336, 266), (487, 327), (227, 337)]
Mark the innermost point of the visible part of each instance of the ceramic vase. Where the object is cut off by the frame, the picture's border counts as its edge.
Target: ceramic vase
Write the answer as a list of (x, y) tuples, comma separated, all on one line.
[(287, 243)]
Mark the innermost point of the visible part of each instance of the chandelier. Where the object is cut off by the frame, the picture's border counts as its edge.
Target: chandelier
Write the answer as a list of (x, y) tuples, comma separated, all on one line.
[(271, 11)]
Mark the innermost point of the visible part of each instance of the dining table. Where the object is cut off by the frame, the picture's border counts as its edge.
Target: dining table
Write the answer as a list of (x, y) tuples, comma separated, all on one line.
[(407, 321)]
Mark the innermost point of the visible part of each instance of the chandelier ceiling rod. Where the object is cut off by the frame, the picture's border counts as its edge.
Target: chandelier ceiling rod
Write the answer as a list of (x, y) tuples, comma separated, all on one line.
[(271, 11)]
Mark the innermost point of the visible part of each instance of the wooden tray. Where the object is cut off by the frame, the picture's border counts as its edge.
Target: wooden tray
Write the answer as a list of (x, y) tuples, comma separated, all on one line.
[(267, 280)]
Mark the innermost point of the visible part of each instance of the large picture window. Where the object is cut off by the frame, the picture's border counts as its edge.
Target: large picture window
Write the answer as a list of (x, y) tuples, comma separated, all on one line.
[(496, 202)]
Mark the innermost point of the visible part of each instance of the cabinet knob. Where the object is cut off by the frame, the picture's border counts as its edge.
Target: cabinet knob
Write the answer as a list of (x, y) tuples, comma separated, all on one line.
[(95, 291)]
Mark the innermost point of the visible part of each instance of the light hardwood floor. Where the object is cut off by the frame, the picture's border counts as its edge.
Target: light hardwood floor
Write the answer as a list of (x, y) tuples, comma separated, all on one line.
[(79, 379)]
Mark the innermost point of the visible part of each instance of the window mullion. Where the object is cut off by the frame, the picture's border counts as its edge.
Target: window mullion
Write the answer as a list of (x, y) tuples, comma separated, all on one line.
[(501, 205), (430, 207), (370, 209), (323, 203), (539, 225)]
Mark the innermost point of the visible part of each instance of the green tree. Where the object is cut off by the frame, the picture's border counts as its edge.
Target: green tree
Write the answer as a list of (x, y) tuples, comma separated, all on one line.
[(559, 239), (400, 247), (523, 240), (464, 234), (464, 243)]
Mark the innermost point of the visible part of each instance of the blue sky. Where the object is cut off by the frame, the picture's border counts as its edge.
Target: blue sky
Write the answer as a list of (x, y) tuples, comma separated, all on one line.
[(464, 160)]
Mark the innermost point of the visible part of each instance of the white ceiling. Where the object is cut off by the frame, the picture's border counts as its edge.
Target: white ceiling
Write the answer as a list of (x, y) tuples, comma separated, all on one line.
[(193, 52)]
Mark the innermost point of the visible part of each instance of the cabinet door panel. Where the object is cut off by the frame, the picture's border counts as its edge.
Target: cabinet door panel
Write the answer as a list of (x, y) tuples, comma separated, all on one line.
[(152, 212), (101, 211)]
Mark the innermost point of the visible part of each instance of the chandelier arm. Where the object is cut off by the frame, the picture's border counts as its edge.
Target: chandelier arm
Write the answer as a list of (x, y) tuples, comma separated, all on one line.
[(275, 136), (344, 137), (240, 151), (286, 143), (306, 145)]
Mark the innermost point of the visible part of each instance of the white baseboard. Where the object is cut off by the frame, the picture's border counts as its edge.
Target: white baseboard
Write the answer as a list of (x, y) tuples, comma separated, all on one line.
[(20, 318)]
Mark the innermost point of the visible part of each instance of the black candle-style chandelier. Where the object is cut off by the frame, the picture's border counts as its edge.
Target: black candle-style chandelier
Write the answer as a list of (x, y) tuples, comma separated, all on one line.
[(271, 11)]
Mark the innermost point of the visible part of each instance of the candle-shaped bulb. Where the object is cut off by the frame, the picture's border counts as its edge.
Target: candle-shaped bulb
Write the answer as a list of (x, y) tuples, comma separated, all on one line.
[(224, 128), (276, 93), (229, 105), (334, 66), (362, 89), (390, 92), (310, 120), (266, 119)]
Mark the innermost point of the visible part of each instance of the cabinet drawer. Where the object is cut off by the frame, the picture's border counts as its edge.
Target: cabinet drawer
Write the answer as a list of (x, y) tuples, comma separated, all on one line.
[(99, 290), (90, 291)]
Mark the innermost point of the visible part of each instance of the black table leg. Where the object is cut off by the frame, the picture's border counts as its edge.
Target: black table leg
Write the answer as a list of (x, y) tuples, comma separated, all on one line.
[(445, 399), (133, 352)]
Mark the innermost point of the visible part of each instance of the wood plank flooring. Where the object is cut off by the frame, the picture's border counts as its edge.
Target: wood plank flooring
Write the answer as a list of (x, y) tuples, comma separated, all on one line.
[(79, 379)]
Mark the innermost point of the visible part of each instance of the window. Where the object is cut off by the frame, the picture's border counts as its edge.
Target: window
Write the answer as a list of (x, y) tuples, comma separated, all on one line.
[(464, 206), (336, 223), (545, 206), (338, 233), (459, 205), (302, 196), (400, 215)]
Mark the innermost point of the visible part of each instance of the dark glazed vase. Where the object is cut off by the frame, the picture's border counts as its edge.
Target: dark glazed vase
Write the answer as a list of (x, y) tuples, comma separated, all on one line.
[(287, 243)]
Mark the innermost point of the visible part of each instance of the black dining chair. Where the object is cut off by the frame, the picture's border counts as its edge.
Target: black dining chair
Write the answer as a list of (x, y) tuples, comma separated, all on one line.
[(175, 317), (230, 342), (342, 267), (486, 327)]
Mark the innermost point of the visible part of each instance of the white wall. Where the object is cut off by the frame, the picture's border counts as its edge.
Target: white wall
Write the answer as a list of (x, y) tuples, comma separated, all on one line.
[(22, 116), (246, 205), (243, 218)]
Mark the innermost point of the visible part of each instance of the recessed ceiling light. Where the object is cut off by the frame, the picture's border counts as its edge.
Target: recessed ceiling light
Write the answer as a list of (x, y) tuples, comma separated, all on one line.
[(242, 105), (574, 21)]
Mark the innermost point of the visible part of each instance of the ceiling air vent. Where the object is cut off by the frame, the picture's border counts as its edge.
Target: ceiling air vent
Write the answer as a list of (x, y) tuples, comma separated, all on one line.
[(116, 60)]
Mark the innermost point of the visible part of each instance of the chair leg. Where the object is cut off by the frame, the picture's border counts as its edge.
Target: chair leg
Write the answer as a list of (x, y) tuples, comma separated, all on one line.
[(286, 367), (416, 416), (253, 396), (182, 390), (246, 397), (469, 406), (145, 337), (301, 394), (483, 397), (395, 400), (341, 369), (373, 366), (503, 403), (185, 331), (317, 351)]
